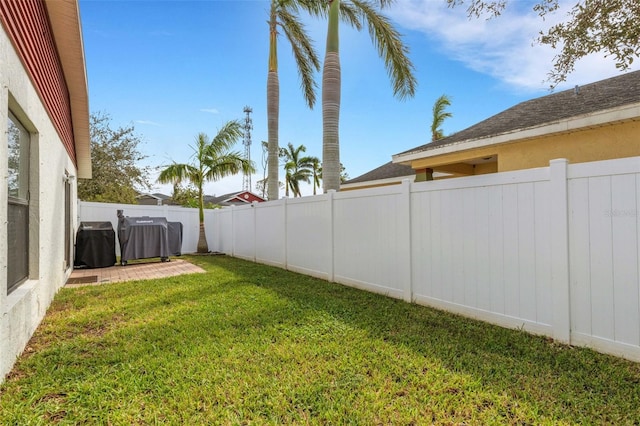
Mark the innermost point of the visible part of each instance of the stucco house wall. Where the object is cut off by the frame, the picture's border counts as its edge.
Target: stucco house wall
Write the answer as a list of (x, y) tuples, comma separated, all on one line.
[(52, 168)]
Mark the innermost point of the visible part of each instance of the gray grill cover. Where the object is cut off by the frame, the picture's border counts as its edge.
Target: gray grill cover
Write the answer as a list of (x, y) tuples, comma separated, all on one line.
[(175, 238), (143, 237)]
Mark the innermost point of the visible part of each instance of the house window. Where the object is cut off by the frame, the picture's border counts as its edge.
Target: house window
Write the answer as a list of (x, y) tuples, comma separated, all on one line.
[(18, 204)]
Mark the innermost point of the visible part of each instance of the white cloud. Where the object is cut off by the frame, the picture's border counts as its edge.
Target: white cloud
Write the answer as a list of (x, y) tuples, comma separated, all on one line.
[(210, 110), (503, 47), (150, 123)]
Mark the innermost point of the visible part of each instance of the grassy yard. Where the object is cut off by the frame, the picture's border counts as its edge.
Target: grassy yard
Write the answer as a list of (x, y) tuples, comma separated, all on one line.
[(249, 344)]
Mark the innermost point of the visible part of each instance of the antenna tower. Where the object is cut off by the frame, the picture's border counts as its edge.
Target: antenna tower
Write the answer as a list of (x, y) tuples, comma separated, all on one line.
[(248, 125)]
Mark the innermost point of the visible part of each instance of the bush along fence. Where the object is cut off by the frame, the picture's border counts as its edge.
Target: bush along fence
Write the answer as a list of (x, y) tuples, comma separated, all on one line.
[(553, 251)]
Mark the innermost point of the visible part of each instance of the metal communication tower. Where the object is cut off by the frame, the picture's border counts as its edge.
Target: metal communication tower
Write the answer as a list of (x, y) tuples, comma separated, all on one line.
[(248, 125)]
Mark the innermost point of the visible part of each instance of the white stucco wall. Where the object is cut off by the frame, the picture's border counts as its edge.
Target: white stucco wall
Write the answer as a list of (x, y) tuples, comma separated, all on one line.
[(23, 309)]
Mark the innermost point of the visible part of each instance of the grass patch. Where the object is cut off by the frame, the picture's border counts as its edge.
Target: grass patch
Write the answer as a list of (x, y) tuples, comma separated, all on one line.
[(250, 344)]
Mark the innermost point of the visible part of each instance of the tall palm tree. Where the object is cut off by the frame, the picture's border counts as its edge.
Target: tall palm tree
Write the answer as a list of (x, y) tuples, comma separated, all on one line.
[(284, 14), (212, 160), (390, 47), (297, 168), (439, 115)]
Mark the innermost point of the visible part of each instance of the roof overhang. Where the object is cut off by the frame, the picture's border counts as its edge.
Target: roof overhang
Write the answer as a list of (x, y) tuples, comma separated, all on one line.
[(64, 16), (377, 182), (629, 112)]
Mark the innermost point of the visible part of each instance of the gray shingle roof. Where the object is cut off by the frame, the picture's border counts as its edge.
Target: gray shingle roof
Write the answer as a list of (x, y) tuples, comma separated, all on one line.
[(386, 171), (590, 98)]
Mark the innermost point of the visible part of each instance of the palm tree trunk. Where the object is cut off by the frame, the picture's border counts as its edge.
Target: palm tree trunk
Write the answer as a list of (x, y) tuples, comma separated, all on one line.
[(202, 247), (273, 109), (331, 104)]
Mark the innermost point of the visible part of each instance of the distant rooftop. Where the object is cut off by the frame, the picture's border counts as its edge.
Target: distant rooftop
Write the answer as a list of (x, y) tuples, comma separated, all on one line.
[(386, 171)]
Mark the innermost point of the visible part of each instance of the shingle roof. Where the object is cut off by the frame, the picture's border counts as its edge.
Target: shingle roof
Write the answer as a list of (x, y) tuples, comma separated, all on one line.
[(386, 171), (590, 98), (220, 199)]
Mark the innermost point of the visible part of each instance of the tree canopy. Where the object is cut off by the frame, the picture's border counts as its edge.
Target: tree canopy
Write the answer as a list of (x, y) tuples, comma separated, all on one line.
[(608, 26), (116, 157)]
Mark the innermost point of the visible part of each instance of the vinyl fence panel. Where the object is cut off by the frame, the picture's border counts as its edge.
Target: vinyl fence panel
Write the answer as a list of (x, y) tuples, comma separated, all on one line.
[(244, 232), (309, 235), (270, 233), (604, 236), (370, 246), (475, 244)]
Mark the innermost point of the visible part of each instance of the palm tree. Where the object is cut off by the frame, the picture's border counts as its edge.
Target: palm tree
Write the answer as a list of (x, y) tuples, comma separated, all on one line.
[(297, 168), (390, 47), (315, 168), (439, 115), (283, 14), (212, 161)]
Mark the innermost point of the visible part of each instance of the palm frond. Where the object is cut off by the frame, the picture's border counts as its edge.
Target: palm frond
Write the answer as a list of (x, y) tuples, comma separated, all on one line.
[(176, 173), (391, 49), (350, 15), (439, 115), (227, 136), (304, 53)]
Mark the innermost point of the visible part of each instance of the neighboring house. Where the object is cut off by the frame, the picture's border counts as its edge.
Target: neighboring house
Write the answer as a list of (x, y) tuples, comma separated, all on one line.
[(234, 198), (155, 199), (387, 174), (44, 114), (597, 121)]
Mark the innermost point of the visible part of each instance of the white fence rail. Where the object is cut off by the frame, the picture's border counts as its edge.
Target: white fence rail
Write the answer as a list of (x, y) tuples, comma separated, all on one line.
[(551, 250)]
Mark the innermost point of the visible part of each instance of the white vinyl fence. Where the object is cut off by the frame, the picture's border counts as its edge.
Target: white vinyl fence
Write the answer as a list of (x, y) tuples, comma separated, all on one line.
[(552, 250)]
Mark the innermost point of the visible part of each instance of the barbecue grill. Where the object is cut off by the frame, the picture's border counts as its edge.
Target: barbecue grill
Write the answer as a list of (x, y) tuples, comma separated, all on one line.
[(145, 237)]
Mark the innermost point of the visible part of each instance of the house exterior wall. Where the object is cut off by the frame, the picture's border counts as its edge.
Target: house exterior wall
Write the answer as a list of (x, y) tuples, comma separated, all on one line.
[(619, 140), (28, 28), (22, 310)]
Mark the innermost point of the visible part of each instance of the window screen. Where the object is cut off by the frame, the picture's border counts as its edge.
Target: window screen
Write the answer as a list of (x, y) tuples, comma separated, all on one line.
[(18, 204)]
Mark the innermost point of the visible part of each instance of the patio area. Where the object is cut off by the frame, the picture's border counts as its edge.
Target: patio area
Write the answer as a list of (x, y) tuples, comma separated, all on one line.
[(134, 271)]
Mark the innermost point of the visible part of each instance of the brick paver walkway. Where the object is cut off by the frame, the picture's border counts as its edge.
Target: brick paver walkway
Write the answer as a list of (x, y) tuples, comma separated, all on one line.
[(135, 271)]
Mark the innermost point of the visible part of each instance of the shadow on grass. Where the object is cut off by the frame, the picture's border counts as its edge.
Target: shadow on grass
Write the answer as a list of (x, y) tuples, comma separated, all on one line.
[(566, 381), (191, 331)]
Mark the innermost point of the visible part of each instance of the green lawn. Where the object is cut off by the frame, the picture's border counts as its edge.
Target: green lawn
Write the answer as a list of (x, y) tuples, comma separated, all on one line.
[(250, 344)]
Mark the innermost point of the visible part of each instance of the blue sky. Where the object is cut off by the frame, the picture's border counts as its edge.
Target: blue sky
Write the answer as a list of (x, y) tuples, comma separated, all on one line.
[(177, 68)]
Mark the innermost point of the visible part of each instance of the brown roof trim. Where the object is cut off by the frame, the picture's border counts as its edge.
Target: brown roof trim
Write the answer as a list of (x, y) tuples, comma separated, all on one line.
[(64, 16)]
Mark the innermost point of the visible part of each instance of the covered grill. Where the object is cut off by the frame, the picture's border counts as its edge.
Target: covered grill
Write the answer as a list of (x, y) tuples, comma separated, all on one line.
[(175, 238), (95, 245), (145, 237)]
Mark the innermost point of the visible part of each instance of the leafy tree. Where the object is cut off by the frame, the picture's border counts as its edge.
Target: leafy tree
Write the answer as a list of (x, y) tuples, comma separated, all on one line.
[(213, 160), (438, 116), (187, 196), (390, 47), (344, 176), (261, 185), (283, 14), (609, 26), (115, 155)]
